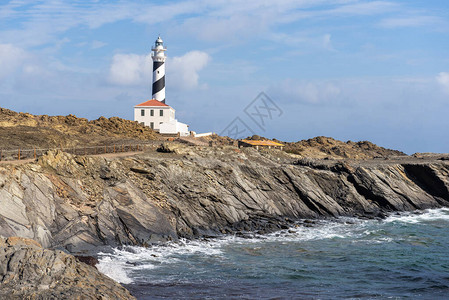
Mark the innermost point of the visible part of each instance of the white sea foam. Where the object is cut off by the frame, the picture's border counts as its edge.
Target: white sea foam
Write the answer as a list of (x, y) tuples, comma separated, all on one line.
[(124, 263), (429, 215), (114, 268), (320, 231), (120, 264)]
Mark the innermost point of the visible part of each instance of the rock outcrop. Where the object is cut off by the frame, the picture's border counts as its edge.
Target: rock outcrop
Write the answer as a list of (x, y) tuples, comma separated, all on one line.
[(79, 203), (27, 271), (326, 147), (27, 131)]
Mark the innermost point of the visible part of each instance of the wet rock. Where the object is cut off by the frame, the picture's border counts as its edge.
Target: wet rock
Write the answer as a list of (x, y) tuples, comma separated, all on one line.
[(27, 271), (90, 260), (140, 170)]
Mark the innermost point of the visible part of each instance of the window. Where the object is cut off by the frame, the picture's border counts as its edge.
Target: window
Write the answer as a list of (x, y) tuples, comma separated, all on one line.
[(151, 125), (161, 113), (152, 112), (142, 112)]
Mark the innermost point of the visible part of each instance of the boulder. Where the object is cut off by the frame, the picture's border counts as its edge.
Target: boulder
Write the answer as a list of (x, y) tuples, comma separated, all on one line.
[(27, 271), (176, 148)]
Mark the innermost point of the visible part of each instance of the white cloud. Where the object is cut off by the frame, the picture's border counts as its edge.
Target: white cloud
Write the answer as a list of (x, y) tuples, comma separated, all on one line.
[(306, 42), (98, 44), (130, 69), (412, 21), (363, 8), (230, 28), (347, 91), (11, 60), (443, 80), (182, 71), (327, 43), (233, 20), (210, 20), (385, 92), (307, 91)]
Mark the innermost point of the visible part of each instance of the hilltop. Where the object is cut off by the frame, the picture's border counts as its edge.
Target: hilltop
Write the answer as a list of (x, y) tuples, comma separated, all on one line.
[(27, 131), (322, 147), (327, 147)]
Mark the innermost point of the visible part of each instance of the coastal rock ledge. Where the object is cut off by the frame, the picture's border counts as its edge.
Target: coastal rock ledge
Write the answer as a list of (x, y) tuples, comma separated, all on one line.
[(82, 203), (27, 271)]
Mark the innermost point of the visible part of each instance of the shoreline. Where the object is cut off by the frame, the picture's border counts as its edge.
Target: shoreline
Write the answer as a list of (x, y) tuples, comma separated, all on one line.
[(284, 228), (153, 197), (82, 204), (134, 262)]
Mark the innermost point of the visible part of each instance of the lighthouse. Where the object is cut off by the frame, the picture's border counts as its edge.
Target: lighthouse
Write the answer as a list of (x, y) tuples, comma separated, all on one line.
[(159, 57), (154, 113)]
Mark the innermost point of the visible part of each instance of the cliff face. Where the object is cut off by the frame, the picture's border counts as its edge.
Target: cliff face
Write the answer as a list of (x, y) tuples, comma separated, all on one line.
[(77, 202), (29, 272)]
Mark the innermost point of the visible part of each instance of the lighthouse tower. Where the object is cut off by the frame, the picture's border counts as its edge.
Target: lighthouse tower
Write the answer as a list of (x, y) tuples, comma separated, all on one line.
[(158, 57), (154, 113)]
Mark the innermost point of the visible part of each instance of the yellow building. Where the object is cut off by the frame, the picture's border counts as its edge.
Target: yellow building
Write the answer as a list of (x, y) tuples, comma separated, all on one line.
[(260, 144)]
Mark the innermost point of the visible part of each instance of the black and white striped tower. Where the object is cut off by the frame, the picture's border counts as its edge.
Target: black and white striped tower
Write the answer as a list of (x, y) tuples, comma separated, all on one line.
[(158, 57)]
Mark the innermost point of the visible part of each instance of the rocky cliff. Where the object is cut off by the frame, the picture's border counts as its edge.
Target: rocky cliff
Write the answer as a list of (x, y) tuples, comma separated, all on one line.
[(78, 202), (29, 272)]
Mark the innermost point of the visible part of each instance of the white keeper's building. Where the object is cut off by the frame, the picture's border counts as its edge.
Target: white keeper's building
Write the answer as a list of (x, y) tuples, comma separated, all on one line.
[(155, 113), (160, 117)]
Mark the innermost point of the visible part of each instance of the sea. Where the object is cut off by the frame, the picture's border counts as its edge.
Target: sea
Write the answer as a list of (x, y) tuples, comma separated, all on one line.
[(405, 256)]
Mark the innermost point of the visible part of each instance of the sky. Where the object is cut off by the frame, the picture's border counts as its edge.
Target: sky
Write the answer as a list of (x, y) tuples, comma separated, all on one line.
[(286, 69)]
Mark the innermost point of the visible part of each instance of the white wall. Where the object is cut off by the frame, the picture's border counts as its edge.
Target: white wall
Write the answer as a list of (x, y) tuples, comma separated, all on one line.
[(173, 127), (182, 128), (203, 134), (169, 115)]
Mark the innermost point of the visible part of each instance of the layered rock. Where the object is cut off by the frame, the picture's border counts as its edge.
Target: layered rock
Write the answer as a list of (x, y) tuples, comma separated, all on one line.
[(27, 271), (79, 203)]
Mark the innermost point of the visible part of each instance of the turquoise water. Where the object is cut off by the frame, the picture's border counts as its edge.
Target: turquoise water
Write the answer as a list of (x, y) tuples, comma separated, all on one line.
[(403, 256)]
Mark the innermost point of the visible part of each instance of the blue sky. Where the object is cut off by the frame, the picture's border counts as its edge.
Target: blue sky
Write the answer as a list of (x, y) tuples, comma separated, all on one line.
[(349, 69)]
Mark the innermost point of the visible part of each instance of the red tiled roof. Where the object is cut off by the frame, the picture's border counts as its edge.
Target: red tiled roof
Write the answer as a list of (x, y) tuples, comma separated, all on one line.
[(152, 102)]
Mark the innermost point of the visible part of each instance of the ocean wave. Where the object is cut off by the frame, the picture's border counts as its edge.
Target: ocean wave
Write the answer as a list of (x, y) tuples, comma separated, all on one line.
[(124, 263), (114, 268), (428, 215)]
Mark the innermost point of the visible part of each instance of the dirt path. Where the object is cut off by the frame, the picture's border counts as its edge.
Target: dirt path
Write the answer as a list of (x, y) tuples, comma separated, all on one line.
[(16, 162), (107, 155), (120, 154), (193, 141)]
